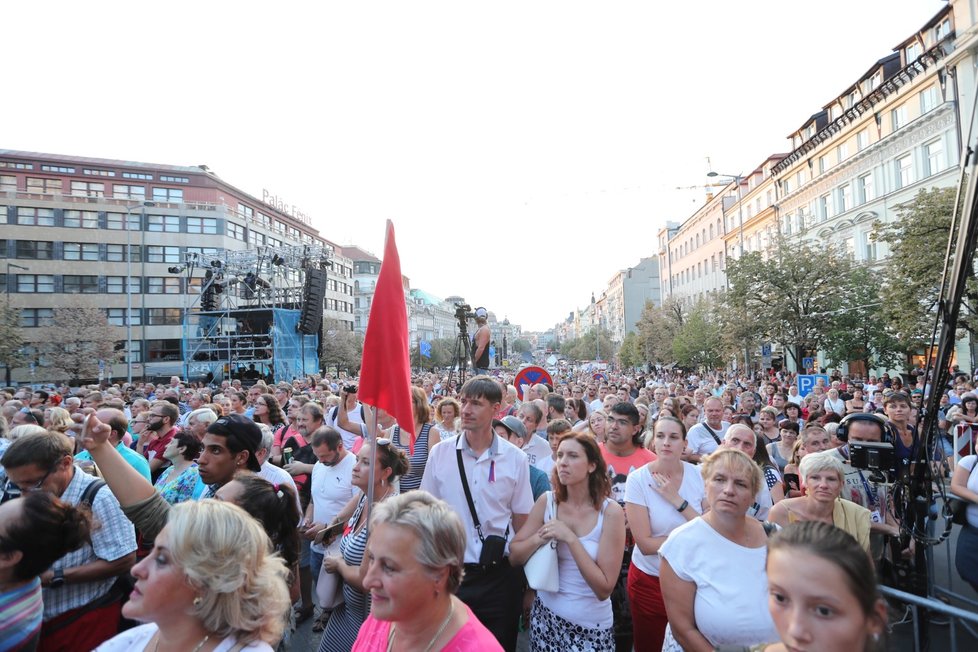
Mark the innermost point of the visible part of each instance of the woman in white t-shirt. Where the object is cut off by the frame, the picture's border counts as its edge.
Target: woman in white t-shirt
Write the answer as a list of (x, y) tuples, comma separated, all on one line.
[(589, 528), (659, 497), (964, 485), (712, 568)]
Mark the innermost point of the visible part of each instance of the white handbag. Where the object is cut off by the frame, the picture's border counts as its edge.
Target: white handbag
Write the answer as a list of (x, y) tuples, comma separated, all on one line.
[(329, 586), (541, 568)]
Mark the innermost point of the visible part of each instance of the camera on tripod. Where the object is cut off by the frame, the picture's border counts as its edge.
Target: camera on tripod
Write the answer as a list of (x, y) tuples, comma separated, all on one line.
[(463, 312), (879, 458)]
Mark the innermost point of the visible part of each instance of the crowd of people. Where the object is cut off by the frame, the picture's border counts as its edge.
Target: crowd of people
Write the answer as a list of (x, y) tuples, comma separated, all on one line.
[(685, 513)]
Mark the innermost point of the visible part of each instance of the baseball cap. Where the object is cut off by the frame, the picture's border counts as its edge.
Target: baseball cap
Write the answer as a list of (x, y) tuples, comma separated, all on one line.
[(482, 313), (242, 434), (511, 424)]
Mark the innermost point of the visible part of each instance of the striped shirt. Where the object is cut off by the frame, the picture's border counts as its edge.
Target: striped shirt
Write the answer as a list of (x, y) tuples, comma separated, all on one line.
[(20, 612)]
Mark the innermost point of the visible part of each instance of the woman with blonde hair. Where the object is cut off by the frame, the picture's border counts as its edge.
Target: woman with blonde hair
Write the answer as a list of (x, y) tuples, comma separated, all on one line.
[(446, 415), (57, 419), (211, 584)]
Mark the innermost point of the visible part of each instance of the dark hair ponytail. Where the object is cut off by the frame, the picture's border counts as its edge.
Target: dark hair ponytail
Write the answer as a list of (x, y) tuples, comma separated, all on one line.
[(47, 530), (276, 508)]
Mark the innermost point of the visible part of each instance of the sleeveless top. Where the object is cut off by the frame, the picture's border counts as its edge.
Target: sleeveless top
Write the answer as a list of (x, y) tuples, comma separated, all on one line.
[(575, 601), (483, 361), (412, 480), (775, 453), (344, 623)]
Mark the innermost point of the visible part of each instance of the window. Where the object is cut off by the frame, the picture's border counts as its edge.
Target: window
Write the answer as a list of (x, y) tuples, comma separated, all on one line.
[(204, 251), (274, 242), (57, 168), (934, 157), (88, 188), (36, 317), (788, 221), (823, 164), (81, 219), (163, 285), (164, 316), (167, 223), (44, 186), (904, 170), (34, 250), (929, 98), (862, 140), (169, 195), (35, 283), (943, 30), (137, 175), (898, 117), (174, 179), (75, 284), (116, 221), (35, 216), (842, 151), (98, 173), (869, 246), (117, 316), (825, 208), (156, 254), (8, 182), (80, 251), (235, 231), (912, 52), (786, 186), (201, 225), (246, 212), (875, 81), (16, 166), (163, 349), (258, 239), (135, 354), (117, 285), (845, 198), (864, 185), (122, 191)]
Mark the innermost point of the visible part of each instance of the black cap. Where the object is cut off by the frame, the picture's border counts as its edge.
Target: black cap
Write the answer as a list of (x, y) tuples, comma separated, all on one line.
[(242, 434)]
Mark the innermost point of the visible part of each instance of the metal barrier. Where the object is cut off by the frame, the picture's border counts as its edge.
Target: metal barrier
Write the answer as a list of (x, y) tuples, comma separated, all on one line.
[(954, 614)]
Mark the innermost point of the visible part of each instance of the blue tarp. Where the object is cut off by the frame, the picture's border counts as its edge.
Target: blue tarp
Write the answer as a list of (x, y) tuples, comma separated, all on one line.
[(288, 345)]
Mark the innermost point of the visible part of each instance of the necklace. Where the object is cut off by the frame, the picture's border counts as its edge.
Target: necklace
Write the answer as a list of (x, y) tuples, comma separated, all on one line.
[(196, 649), (431, 643)]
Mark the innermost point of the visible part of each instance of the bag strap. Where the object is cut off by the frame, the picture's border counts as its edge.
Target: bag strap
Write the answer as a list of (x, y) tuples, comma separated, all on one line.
[(468, 494), (710, 430), (88, 496)]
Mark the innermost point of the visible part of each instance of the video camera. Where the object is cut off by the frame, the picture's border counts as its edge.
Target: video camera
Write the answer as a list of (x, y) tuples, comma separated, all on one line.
[(463, 312), (879, 458)]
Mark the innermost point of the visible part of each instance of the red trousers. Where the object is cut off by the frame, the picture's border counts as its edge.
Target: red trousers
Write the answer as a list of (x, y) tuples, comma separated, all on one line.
[(85, 633), (648, 610)]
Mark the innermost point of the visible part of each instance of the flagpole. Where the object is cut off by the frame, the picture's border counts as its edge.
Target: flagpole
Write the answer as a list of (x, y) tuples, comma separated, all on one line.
[(373, 466)]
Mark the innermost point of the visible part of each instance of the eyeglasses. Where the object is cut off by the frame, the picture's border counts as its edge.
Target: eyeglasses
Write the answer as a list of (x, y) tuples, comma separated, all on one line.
[(37, 485)]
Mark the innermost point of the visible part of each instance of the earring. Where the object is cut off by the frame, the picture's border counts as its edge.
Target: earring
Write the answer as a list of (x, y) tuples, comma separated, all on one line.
[(197, 601)]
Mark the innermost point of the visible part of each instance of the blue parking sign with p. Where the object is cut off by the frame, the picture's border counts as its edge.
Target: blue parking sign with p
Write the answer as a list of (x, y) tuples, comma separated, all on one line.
[(807, 382)]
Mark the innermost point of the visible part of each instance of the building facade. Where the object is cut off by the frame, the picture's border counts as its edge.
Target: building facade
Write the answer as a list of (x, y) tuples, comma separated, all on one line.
[(95, 232)]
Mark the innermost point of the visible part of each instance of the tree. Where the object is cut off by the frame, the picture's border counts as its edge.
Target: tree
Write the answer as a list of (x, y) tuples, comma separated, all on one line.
[(11, 341), (630, 353), (791, 291), (918, 240), (77, 339), (697, 343), (342, 348), (860, 331), (521, 346), (658, 326), (442, 354), (594, 344)]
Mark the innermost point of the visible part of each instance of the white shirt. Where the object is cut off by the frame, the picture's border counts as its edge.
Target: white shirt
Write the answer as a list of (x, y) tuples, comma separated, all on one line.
[(275, 475), (138, 638), (349, 438), (701, 442), (499, 481), (663, 517), (536, 450), (731, 584), (331, 489)]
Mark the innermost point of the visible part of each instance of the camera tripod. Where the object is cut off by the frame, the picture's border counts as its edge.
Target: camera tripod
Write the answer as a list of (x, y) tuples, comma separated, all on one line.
[(460, 358)]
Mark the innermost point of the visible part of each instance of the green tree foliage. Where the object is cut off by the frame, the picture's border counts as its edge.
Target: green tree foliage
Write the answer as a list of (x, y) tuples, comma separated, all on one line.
[(630, 353), (790, 292), (697, 343), (342, 348), (76, 340), (594, 344), (860, 331), (11, 341), (521, 346), (441, 354), (657, 327), (917, 241)]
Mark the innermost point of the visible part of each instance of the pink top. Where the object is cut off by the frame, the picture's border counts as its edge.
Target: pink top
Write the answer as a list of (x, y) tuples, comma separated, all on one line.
[(473, 636)]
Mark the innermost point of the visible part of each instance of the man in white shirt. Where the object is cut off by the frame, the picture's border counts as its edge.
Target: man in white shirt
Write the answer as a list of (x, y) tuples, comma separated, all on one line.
[(354, 413), (332, 488), (704, 438), (498, 479)]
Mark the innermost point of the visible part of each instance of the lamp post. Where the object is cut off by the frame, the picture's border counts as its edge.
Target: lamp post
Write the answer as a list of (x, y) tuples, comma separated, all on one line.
[(6, 279), (142, 206), (740, 218)]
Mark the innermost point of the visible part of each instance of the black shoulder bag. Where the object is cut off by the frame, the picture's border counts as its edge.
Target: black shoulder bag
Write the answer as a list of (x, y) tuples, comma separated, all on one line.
[(493, 546)]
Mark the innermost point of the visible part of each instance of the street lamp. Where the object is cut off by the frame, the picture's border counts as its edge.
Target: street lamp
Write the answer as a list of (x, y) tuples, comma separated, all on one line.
[(740, 218), (142, 206)]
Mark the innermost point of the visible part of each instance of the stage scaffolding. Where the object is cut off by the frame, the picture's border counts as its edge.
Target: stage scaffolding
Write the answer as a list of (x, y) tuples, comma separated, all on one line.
[(243, 322)]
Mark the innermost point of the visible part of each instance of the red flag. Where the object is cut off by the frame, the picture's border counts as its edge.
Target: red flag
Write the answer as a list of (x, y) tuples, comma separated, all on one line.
[(385, 372)]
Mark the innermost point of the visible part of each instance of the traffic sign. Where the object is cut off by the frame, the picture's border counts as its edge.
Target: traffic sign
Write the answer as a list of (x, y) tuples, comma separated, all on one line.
[(599, 377), (531, 376), (807, 382), (808, 363)]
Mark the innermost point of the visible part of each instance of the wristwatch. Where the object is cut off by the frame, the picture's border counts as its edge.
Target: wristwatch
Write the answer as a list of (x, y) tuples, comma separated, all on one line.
[(59, 579)]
